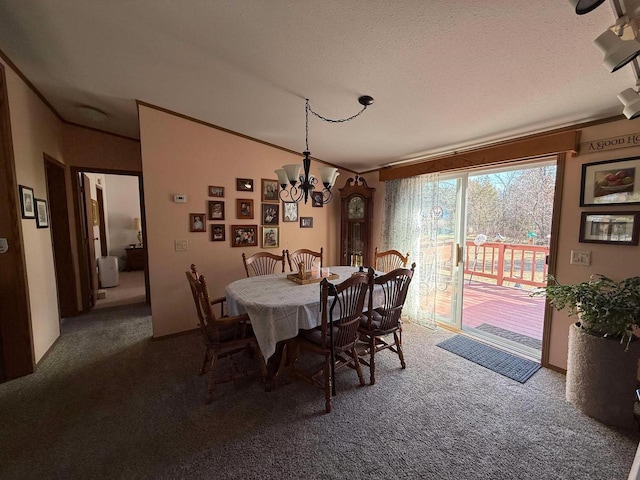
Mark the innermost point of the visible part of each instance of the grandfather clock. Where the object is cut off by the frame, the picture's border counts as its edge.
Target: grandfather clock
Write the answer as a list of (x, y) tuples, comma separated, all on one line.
[(356, 219)]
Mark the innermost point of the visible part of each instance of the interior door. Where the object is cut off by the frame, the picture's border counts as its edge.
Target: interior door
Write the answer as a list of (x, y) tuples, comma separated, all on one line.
[(89, 238)]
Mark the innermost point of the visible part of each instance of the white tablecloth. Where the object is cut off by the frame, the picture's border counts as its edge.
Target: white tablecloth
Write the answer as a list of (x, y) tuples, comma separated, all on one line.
[(278, 307)]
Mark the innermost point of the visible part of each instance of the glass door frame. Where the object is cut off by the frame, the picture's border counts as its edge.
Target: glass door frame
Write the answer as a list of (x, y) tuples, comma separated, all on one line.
[(457, 281)]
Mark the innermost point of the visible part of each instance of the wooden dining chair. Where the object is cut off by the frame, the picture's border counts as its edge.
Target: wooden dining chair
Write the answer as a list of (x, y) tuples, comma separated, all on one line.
[(335, 339), (192, 277), (224, 337), (389, 260), (308, 257), (377, 323), (263, 263)]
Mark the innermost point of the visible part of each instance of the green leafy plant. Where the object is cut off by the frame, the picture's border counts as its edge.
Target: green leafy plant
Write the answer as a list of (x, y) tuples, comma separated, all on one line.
[(604, 307)]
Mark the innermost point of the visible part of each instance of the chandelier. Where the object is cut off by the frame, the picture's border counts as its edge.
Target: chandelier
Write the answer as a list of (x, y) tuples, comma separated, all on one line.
[(296, 187)]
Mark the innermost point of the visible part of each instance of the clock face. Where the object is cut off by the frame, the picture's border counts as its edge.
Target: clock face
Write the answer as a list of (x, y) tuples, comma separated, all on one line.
[(355, 209)]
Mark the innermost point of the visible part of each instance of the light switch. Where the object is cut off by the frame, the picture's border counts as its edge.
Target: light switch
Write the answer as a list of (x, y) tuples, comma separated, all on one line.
[(180, 198), (181, 245)]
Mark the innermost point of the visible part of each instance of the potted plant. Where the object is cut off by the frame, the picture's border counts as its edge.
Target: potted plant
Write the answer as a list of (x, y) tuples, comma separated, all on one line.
[(602, 363)]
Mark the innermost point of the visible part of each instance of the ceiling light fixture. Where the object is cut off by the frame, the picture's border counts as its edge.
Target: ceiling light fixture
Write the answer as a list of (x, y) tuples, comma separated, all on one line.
[(631, 101), (617, 52), (92, 114), (585, 6), (296, 187)]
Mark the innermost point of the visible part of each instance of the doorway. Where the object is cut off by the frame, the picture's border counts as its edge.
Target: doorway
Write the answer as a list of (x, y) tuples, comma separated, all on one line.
[(110, 210), (493, 241)]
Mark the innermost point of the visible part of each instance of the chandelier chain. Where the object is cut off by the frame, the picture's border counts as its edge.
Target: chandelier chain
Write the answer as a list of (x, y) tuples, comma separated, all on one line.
[(325, 119)]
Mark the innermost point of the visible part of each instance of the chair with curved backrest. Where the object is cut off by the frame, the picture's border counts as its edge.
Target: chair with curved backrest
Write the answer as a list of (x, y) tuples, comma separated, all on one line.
[(308, 257), (379, 322), (389, 260), (224, 337), (335, 339), (262, 263)]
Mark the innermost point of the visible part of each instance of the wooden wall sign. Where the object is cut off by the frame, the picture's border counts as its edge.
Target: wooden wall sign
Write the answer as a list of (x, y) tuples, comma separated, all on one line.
[(613, 143)]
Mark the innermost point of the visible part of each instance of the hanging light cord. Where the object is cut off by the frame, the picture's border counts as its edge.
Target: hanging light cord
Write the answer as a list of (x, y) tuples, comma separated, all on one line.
[(325, 119)]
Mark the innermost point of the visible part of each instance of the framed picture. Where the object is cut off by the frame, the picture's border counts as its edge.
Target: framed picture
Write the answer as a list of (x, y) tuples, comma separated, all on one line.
[(612, 182), (26, 202), (216, 191), (316, 199), (196, 222), (306, 222), (244, 208), (217, 233), (270, 214), (244, 184), (244, 235), (216, 210), (289, 212), (42, 213), (618, 228), (270, 191), (270, 237)]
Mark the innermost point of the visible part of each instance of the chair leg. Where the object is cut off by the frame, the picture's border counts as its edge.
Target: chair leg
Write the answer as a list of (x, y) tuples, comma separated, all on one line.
[(399, 348), (205, 360), (372, 360), (212, 379), (327, 384), (356, 360)]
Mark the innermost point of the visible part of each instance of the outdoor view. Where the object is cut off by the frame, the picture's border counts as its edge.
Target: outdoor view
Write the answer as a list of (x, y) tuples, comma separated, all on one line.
[(508, 228)]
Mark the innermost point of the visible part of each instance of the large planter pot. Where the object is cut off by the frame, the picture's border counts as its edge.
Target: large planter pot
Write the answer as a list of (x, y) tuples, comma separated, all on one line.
[(602, 377)]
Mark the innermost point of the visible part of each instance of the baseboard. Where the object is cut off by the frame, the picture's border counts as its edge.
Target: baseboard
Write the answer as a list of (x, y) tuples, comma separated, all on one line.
[(178, 334)]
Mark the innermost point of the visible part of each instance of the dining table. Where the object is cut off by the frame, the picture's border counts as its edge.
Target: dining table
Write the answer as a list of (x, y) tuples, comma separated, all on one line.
[(279, 307)]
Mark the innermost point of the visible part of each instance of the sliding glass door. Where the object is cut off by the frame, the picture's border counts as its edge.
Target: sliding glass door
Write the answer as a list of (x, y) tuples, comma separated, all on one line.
[(490, 250)]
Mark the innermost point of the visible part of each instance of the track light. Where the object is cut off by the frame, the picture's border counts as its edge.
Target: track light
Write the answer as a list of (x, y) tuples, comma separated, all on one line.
[(585, 6), (631, 101), (617, 52)]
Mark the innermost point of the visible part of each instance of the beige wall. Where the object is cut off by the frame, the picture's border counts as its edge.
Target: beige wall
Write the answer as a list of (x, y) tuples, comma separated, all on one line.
[(96, 150), (35, 131), (617, 262), (184, 157)]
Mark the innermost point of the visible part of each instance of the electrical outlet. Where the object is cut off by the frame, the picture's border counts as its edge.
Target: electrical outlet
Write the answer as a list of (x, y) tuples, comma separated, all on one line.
[(180, 198), (580, 257), (181, 245)]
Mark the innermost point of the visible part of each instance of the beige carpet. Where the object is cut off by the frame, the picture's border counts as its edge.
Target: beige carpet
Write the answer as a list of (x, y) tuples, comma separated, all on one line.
[(130, 289)]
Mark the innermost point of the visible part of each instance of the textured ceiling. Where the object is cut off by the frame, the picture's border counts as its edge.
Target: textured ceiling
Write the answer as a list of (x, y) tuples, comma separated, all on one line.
[(444, 74)]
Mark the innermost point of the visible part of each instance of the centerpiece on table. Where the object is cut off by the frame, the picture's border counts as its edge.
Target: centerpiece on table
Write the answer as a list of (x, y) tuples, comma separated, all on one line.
[(602, 363)]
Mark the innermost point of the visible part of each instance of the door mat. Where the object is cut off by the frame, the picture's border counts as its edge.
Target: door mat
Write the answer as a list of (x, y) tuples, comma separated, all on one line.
[(513, 336), (511, 366)]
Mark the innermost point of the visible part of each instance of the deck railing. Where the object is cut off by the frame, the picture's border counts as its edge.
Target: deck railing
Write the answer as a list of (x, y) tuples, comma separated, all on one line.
[(522, 264)]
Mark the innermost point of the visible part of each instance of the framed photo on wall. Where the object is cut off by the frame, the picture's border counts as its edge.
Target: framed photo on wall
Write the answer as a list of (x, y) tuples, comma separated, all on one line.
[(217, 233), (612, 182), (317, 199), (244, 235), (244, 208), (617, 228), (289, 212), (27, 202), (270, 237), (42, 213), (306, 222), (244, 184), (216, 210), (196, 222), (270, 191), (270, 214), (216, 191)]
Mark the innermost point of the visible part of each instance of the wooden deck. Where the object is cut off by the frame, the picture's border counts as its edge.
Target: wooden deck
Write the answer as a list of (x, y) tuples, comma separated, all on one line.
[(508, 308)]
